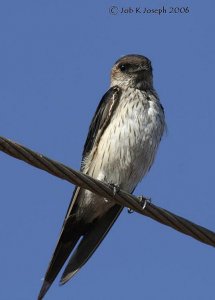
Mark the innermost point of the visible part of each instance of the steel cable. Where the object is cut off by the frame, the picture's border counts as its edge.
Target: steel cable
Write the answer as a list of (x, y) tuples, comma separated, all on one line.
[(143, 206)]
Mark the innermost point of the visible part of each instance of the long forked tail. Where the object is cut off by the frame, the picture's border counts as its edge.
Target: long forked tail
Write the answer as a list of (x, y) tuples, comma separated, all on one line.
[(90, 242), (59, 257), (70, 234), (86, 247)]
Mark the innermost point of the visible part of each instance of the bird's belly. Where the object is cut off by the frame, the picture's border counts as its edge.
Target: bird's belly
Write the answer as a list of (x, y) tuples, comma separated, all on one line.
[(124, 154), (127, 150), (126, 159)]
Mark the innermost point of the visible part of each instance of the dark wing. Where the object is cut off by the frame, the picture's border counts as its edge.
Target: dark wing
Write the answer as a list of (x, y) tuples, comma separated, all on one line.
[(100, 121), (90, 242), (72, 231), (102, 118)]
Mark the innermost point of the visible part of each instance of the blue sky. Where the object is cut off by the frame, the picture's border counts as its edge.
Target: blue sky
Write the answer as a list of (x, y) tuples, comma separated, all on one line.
[(55, 61)]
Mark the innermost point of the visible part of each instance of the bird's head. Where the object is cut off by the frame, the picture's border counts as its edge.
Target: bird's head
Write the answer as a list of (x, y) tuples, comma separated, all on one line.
[(132, 71)]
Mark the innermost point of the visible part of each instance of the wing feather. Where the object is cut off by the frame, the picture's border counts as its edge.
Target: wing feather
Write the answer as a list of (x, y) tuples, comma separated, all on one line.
[(72, 231)]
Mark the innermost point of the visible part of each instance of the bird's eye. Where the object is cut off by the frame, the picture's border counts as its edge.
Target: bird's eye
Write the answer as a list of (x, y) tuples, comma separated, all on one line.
[(123, 67)]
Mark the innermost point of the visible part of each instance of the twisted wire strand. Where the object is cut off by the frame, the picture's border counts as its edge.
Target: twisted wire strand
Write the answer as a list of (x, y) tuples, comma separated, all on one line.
[(123, 198)]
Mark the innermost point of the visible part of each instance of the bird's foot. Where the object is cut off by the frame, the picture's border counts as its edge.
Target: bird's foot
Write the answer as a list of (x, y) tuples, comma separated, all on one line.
[(115, 187), (143, 202)]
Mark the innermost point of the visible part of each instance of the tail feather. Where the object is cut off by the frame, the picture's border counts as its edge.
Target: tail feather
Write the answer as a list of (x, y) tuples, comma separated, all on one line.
[(68, 239), (89, 243), (59, 257), (72, 231)]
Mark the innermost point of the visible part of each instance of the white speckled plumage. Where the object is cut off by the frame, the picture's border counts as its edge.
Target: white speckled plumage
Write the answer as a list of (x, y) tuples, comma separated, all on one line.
[(127, 148), (120, 148)]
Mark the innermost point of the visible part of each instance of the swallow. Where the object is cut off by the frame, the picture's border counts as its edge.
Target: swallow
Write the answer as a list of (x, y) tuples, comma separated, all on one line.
[(120, 148)]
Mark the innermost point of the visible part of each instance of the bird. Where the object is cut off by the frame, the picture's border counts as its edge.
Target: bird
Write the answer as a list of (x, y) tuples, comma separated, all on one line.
[(120, 148)]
